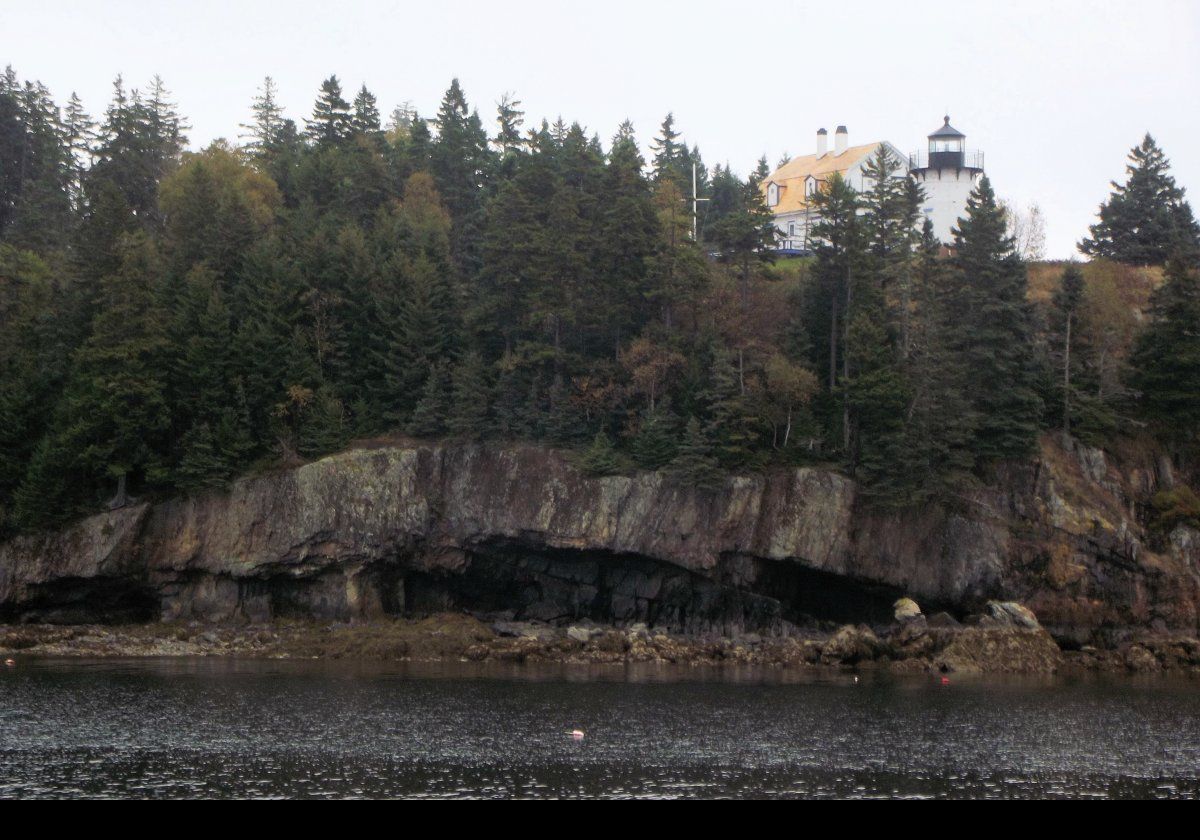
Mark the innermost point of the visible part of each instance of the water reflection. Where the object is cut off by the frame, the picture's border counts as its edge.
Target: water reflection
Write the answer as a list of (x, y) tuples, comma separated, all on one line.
[(229, 727)]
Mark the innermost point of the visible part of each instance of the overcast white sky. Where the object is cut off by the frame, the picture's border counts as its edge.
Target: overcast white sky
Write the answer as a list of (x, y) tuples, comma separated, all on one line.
[(1054, 93)]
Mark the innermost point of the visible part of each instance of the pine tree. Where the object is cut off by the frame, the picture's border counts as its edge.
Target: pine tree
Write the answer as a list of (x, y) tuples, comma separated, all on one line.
[(695, 465), (265, 130), (561, 421), (201, 466), (115, 410), (1068, 298), (331, 120), (323, 428), (509, 118), (140, 141), (656, 443), (995, 334), (668, 154), (37, 334), (366, 120), (731, 428), (600, 458), (624, 239), (1147, 218), (48, 495), (79, 135), (942, 420), (1166, 360), (460, 162), (470, 398), (837, 237), (878, 397), (432, 409)]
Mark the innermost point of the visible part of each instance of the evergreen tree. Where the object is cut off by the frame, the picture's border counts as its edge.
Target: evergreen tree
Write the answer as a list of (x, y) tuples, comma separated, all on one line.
[(995, 334), (1068, 298), (655, 444), (115, 412), (470, 398), (1166, 360), (600, 458), (79, 136), (36, 337), (731, 428), (837, 236), (942, 420), (201, 466), (878, 398), (1145, 219), (331, 120), (265, 130), (695, 465), (509, 119), (432, 409), (47, 496), (140, 142), (625, 238), (365, 120), (460, 163), (669, 155)]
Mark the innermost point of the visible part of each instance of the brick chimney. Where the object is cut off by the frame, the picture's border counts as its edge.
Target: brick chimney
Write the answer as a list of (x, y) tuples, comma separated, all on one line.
[(822, 142)]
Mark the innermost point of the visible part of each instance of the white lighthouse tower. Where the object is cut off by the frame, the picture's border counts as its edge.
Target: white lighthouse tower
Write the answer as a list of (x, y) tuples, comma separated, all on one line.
[(948, 172)]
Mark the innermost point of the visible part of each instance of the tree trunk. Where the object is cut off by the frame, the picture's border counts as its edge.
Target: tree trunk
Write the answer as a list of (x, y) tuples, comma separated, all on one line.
[(846, 365), (833, 317), (1066, 420)]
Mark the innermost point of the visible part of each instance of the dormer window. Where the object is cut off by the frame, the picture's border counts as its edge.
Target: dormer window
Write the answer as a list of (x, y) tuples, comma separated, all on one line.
[(810, 185), (772, 194)]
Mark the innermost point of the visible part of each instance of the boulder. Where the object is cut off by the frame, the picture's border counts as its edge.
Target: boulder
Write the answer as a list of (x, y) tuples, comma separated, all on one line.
[(1012, 614), (851, 645), (910, 631), (1138, 658), (579, 634), (999, 650), (638, 630), (906, 609)]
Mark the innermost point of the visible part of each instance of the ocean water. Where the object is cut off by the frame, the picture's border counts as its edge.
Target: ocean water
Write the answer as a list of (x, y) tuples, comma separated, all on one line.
[(250, 728)]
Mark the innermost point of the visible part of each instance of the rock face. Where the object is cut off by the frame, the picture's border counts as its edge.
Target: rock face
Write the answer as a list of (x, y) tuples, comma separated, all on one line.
[(518, 532)]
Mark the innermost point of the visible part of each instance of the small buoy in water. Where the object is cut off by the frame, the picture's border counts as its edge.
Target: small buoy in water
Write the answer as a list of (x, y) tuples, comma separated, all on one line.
[(856, 679), (945, 681), (576, 734), (10, 662)]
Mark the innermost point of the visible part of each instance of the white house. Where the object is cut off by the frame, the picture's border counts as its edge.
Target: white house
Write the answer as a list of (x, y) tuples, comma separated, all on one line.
[(947, 171)]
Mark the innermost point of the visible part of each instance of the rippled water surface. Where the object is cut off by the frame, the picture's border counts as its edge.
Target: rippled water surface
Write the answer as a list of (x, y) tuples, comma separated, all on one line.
[(180, 728)]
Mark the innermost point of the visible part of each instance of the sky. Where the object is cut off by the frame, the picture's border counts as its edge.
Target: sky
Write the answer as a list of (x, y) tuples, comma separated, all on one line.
[(1054, 93)]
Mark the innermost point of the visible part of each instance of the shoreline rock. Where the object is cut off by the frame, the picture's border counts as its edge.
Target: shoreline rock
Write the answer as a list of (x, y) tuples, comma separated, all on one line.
[(407, 528), (453, 637)]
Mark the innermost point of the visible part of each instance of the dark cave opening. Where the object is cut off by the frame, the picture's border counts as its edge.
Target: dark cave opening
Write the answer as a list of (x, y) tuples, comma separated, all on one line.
[(512, 578), (103, 600)]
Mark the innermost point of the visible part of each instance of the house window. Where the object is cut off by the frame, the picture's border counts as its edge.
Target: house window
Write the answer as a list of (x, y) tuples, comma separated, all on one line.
[(791, 228)]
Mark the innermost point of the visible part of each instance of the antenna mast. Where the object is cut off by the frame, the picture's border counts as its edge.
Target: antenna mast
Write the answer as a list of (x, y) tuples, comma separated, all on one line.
[(695, 202)]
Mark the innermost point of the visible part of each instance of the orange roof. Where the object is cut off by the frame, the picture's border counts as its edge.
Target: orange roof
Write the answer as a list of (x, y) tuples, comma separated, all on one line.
[(792, 175)]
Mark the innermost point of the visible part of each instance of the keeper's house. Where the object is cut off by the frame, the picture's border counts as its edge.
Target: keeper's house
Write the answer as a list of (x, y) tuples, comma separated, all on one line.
[(947, 171)]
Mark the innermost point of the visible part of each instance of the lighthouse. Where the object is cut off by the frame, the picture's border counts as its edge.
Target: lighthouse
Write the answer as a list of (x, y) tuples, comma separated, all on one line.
[(947, 171)]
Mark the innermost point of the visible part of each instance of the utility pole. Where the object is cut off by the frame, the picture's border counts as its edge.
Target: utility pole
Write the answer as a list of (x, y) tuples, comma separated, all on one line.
[(695, 203)]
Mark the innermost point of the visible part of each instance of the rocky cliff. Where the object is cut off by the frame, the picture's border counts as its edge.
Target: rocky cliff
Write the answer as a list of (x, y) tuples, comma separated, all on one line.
[(518, 531)]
